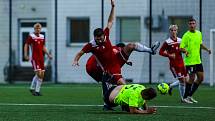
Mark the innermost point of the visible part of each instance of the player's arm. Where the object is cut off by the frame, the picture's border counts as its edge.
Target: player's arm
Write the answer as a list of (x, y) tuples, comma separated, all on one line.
[(205, 48), (46, 52), (111, 16), (26, 47), (164, 52), (183, 50), (77, 57), (135, 110), (183, 45)]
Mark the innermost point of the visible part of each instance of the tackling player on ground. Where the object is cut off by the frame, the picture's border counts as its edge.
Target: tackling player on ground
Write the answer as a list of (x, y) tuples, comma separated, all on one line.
[(132, 98)]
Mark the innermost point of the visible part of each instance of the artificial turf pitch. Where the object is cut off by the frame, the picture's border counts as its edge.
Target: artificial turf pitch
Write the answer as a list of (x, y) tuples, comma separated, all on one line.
[(83, 102)]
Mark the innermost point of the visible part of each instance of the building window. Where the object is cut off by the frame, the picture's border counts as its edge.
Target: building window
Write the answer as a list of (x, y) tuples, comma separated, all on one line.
[(182, 22), (129, 29), (78, 31)]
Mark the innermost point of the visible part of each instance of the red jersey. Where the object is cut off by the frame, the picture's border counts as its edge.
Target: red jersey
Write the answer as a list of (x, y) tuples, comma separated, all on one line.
[(95, 71), (36, 43), (172, 46), (104, 52)]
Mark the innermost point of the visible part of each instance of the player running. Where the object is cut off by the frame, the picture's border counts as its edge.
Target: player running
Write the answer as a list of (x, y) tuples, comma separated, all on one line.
[(170, 49), (37, 43)]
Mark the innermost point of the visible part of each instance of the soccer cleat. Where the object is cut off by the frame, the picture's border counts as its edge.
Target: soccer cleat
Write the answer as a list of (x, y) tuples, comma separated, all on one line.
[(155, 47), (37, 94), (170, 91), (32, 91), (186, 100), (192, 100), (107, 108)]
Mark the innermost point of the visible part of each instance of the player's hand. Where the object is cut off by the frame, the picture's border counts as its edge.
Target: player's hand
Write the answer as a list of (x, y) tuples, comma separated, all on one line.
[(186, 53), (49, 56), (26, 58), (172, 55), (112, 3), (75, 63), (151, 110), (209, 51)]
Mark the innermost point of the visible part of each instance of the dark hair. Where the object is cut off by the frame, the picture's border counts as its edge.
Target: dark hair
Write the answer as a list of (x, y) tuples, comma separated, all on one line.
[(192, 19), (98, 32), (149, 93), (120, 44)]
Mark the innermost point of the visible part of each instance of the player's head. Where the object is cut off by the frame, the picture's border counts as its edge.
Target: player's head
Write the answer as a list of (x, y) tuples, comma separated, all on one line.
[(192, 24), (120, 44), (99, 36), (173, 29), (148, 93), (37, 28)]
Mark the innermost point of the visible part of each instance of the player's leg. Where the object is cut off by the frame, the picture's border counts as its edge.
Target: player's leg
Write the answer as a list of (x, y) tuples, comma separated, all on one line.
[(107, 88), (175, 83), (35, 78), (94, 72), (189, 82), (197, 82), (33, 83), (181, 86), (40, 74), (140, 48)]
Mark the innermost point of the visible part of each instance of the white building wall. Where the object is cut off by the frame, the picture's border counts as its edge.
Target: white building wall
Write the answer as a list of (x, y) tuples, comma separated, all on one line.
[(139, 72), (4, 36), (69, 9)]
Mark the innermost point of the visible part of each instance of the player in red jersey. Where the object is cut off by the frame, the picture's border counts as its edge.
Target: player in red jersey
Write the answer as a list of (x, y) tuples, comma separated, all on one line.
[(37, 43), (122, 53), (170, 49), (101, 48)]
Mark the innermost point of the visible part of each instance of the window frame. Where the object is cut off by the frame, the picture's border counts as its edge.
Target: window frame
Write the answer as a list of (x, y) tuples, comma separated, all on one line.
[(69, 41), (119, 27)]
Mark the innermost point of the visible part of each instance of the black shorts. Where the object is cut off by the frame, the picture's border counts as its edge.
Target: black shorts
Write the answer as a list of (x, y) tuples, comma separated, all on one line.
[(107, 95), (194, 68)]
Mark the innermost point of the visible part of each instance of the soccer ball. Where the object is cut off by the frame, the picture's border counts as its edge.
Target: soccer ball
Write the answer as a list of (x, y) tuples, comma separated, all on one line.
[(163, 88)]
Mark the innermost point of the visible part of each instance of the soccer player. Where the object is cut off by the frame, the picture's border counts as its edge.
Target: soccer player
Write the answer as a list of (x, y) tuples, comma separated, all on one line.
[(132, 98), (37, 43), (102, 50), (190, 45), (170, 49), (122, 53)]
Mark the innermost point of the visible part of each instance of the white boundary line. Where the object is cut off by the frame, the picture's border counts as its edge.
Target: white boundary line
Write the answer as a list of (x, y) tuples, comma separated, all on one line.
[(78, 105)]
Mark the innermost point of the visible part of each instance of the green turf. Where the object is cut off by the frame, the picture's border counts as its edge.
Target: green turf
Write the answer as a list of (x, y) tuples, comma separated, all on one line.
[(90, 94)]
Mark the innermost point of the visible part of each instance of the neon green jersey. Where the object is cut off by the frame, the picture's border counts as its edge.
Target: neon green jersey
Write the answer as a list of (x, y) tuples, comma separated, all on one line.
[(191, 41), (130, 95)]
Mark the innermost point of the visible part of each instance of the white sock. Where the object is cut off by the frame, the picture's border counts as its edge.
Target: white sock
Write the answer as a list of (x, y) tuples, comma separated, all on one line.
[(181, 89), (142, 48), (38, 85), (33, 82), (174, 84)]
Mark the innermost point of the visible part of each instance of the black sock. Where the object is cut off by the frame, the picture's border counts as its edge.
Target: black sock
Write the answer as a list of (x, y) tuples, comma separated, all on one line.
[(187, 89), (193, 88)]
